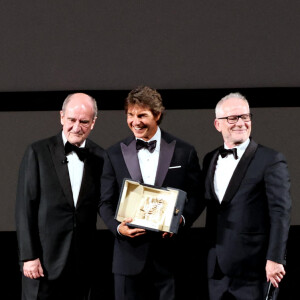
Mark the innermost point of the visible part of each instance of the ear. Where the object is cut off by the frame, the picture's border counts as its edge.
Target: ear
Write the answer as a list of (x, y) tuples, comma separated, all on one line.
[(158, 117), (93, 123), (217, 125), (61, 117)]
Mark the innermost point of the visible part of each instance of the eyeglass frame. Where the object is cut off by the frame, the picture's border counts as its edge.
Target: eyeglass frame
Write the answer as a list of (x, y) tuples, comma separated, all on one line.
[(238, 117)]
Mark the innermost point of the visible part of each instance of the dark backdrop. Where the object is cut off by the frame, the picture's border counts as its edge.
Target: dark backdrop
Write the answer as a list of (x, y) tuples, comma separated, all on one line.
[(171, 44)]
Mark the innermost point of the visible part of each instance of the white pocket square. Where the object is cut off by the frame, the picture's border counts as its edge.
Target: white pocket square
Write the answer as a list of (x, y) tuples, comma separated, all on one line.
[(175, 167)]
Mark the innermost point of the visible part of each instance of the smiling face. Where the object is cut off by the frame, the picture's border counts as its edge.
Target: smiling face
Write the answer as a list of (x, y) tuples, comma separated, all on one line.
[(233, 134), (78, 119), (142, 122)]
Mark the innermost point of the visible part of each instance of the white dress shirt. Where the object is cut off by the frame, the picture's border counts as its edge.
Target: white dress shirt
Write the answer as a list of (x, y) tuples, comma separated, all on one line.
[(75, 167), (225, 168), (149, 161)]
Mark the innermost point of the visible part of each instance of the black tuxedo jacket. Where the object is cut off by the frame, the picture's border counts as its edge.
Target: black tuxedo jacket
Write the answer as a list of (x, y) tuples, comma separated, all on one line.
[(251, 224), (47, 222), (130, 255)]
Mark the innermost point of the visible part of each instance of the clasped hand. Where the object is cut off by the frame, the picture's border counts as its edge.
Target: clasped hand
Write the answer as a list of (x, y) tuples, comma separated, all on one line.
[(274, 272), (33, 269)]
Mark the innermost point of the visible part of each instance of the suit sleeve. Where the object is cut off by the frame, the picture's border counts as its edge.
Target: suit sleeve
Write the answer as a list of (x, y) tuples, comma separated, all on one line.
[(277, 184), (109, 196), (27, 206), (194, 188)]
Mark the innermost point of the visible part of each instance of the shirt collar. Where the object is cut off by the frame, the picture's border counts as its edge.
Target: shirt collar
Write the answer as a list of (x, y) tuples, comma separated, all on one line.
[(65, 140), (240, 148)]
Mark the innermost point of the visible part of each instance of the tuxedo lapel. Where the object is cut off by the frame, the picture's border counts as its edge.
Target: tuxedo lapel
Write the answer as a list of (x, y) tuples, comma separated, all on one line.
[(165, 157), (211, 174), (87, 180), (132, 163), (131, 160), (239, 172), (58, 156)]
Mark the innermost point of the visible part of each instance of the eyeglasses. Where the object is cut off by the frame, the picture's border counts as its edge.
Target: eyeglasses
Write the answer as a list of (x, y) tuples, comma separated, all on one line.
[(235, 119)]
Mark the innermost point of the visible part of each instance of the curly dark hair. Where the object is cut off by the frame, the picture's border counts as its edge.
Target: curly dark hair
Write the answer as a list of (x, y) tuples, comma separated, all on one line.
[(146, 97)]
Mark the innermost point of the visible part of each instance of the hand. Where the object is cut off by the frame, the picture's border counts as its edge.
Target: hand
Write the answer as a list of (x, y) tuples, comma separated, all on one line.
[(181, 220), (274, 272), (170, 234), (130, 232), (167, 235), (33, 269)]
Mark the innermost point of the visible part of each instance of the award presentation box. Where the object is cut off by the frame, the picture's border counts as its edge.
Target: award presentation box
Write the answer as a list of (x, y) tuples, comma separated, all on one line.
[(150, 207)]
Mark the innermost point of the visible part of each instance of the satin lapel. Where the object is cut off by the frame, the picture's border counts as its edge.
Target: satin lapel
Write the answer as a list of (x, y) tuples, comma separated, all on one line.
[(131, 160), (211, 175), (239, 172), (58, 155), (87, 179), (165, 157)]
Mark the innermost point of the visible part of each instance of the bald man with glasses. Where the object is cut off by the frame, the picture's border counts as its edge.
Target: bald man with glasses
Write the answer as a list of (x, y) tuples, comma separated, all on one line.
[(248, 208)]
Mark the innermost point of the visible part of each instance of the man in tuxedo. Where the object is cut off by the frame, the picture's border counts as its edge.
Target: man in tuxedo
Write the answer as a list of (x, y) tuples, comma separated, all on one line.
[(248, 208), (56, 208), (144, 260)]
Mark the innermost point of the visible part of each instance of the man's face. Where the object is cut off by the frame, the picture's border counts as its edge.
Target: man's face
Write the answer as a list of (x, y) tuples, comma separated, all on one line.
[(78, 119), (233, 134), (142, 122)]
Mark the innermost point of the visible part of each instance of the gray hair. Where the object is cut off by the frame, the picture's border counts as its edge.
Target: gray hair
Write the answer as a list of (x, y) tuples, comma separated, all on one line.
[(229, 96), (69, 98)]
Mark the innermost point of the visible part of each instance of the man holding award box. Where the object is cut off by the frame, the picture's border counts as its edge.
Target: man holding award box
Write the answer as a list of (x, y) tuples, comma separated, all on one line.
[(143, 260)]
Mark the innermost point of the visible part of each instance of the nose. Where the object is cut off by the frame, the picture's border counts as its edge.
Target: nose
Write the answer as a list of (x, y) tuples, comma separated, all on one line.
[(135, 121), (240, 122), (76, 126)]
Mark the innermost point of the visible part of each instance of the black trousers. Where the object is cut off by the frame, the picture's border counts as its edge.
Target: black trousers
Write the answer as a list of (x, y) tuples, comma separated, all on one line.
[(153, 283), (59, 289), (222, 287), (71, 284)]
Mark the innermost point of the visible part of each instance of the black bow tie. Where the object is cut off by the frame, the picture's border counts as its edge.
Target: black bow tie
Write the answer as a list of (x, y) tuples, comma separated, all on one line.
[(224, 152), (81, 152), (140, 144)]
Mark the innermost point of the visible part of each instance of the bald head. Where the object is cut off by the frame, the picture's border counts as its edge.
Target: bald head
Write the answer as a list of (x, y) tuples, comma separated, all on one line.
[(78, 117), (82, 98)]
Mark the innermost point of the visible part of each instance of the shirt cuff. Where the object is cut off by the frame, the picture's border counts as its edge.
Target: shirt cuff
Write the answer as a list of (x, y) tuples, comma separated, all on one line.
[(119, 231), (183, 220)]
